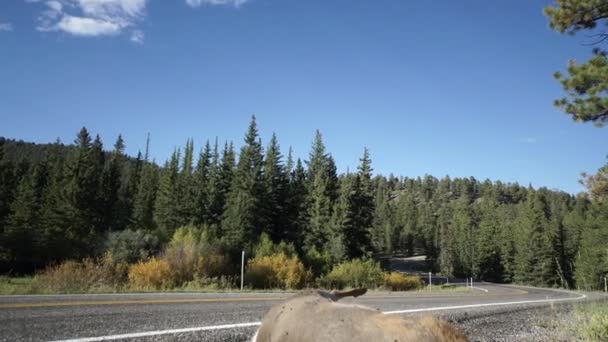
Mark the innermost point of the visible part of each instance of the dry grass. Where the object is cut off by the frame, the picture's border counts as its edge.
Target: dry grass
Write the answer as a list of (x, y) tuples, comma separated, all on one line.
[(89, 275)]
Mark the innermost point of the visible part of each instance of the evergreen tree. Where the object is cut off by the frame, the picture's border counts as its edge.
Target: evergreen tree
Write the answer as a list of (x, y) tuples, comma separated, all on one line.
[(592, 258), (385, 231), (357, 235), (109, 187), (82, 194), (221, 182), (488, 258), (407, 217), (320, 193), (586, 83), (535, 263), (55, 241), (23, 232), (275, 193), (463, 230), (186, 195), (7, 186), (145, 198), (297, 206), (241, 222), (166, 210), (202, 185)]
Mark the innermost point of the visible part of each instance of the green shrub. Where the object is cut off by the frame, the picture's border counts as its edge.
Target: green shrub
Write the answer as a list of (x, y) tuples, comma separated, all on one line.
[(191, 256), (276, 271), (354, 273), (319, 263), (182, 259), (151, 274), (265, 247), (131, 246), (398, 282)]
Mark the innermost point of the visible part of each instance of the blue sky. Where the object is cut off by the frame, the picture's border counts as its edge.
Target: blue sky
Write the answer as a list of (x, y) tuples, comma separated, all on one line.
[(438, 87)]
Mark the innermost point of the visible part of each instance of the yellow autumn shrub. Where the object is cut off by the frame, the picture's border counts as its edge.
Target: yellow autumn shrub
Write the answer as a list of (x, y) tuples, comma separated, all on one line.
[(151, 274), (398, 282), (277, 271)]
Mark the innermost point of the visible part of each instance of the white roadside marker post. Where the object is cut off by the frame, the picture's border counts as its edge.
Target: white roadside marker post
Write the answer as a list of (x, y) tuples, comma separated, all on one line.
[(242, 268), (430, 282), (605, 284)]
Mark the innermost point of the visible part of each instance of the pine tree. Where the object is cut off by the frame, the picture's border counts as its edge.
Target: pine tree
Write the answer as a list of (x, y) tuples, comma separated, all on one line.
[(407, 217), (166, 212), (221, 182), (7, 187), (385, 232), (297, 206), (448, 258), (357, 235), (145, 198), (55, 241), (131, 175), (82, 194), (23, 232), (592, 258), (488, 258), (109, 187), (535, 263), (275, 193), (241, 222), (586, 83), (574, 223), (202, 186), (462, 227), (320, 193), (186, 188)]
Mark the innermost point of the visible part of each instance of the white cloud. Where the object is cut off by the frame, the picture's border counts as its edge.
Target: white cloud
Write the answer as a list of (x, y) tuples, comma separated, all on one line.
[(137, 36), (91, 17), (198, 3), (79, 26), (88, 18), (55, 5), (6, 27)]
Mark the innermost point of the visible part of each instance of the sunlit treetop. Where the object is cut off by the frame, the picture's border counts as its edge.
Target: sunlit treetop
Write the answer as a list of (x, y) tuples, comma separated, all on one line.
[(586, 84)]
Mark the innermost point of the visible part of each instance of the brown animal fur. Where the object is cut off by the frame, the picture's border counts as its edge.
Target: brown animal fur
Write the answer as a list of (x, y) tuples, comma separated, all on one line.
[(315, 316)]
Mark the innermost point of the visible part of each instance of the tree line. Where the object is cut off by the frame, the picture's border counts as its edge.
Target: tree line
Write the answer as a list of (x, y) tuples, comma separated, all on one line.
[(71, 202)]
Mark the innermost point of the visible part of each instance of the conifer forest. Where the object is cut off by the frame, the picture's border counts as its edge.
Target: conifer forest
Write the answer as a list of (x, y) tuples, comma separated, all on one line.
[(63, 202)]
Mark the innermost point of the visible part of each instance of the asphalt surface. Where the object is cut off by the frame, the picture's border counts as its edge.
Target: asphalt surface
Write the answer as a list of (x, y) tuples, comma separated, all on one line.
[(162, 317)]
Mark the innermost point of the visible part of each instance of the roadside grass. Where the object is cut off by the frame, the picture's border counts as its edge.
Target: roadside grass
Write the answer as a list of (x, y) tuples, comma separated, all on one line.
[(31, 285), (445, 289), (574, 322), (592, 322), (17, 285)]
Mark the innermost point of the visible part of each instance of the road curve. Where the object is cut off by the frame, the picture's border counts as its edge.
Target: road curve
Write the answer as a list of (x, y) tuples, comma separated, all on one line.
[(220, 316)]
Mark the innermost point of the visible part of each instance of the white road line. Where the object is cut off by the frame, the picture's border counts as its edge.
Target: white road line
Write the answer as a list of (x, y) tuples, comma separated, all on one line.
[(162, 332), (484, 305), (253, 324), (479, 288)]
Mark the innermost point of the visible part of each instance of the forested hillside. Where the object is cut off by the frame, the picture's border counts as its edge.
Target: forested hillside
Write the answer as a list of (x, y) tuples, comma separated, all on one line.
[(70, 202)]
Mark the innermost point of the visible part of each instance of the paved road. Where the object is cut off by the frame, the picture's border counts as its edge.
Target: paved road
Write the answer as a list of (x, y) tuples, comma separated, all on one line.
[(163, 317)]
